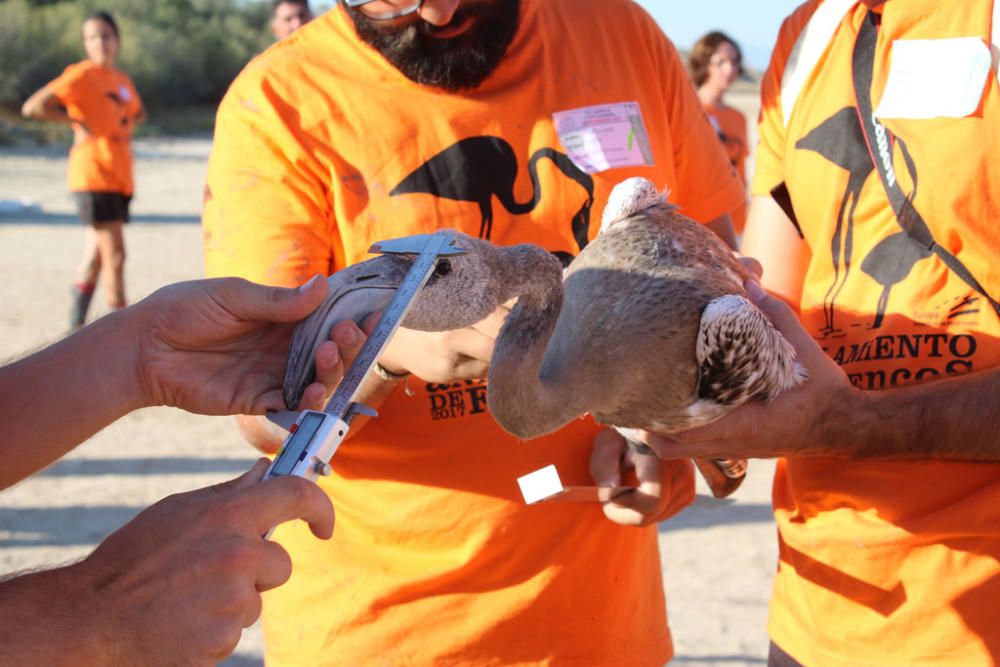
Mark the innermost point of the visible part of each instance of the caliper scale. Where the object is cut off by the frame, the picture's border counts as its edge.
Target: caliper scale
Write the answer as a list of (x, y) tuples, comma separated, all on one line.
[(314, 436)]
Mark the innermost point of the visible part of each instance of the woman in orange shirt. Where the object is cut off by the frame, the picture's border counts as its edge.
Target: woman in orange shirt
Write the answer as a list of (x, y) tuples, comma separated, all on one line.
[(102, 106), (715, 63)]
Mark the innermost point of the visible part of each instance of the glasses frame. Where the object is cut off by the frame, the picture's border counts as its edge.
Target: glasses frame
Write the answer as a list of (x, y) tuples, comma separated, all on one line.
[(380, 16)]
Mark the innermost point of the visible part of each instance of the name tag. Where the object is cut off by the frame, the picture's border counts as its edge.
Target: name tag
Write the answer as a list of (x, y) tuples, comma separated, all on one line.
[(935, 78), (604, 136)]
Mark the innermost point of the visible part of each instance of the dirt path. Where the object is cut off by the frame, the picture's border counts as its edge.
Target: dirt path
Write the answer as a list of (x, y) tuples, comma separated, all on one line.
[(718, 557)]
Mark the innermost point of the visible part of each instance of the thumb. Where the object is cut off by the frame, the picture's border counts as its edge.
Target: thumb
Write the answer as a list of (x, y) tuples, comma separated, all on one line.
[(606, 458), (782, 316), (251, 301)]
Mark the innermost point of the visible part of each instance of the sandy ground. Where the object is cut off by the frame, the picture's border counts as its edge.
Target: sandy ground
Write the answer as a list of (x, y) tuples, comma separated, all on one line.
[(718, 558)]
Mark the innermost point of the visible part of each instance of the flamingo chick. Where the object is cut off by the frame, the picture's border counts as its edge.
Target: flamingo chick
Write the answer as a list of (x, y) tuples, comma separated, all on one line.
[(650, 329)]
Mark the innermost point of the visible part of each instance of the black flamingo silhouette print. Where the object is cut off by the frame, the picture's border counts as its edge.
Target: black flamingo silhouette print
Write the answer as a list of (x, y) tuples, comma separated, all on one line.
[(840, 140), (479, 168)]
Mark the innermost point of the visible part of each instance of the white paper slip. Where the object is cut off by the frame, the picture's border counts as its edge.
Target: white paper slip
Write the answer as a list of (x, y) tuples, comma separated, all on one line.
[(604, 136), (935, 78), (544, 484)]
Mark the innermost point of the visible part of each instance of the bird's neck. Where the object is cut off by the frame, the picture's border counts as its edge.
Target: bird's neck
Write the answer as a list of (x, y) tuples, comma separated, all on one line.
[(523, 403)]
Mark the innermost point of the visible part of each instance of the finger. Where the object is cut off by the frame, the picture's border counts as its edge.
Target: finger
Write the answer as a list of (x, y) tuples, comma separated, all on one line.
[(473, 344), (697, 443), (247, 479), (273, 568), (250, 301), (329, 364), (251, 612), (752, 265), (642, 505), (284, 498), (606, 458), (349, 338), (490, 326), (782, 317)]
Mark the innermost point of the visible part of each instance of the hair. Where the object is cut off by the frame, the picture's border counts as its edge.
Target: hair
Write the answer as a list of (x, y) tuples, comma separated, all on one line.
[(702, 53), (277, 3), (107, 18)]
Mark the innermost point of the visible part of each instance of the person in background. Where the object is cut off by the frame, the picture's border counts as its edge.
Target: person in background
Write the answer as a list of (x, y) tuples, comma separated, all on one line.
[(101, 104), (178, 583), (715, 62), (509, 120), (287, 16)]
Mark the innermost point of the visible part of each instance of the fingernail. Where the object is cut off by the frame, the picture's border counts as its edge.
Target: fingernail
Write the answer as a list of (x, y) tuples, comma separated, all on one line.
[(755, 291), (306, 286), (347, 335)]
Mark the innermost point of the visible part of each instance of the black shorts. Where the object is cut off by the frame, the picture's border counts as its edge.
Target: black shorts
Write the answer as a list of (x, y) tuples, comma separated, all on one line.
[(97, 207)]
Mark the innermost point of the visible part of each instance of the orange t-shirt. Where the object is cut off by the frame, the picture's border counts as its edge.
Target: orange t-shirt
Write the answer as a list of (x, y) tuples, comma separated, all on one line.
[(322, 148), (888, 563), (731, 126), (104, 100)]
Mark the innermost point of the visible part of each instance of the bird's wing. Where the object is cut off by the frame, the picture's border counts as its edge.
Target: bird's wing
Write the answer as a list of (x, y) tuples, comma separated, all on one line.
[(741, 356)]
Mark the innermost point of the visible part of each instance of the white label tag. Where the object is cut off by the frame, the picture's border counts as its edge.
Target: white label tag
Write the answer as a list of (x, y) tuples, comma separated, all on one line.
[(605, 136), (935, 78)]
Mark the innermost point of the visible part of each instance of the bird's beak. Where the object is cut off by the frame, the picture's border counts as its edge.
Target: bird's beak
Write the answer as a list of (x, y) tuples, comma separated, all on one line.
[(353, 294)]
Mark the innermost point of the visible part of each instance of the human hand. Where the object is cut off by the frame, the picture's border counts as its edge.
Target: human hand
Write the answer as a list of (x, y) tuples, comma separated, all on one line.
[(658, 484), (793, 424), (219, 346), (448, 356), (176, 585)]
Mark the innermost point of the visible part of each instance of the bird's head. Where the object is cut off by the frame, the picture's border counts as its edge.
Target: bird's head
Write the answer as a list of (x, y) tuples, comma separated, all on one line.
[(464, 289)]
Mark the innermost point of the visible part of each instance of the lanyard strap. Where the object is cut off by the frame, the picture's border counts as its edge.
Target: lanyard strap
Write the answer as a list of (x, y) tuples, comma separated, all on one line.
[(880, 143)]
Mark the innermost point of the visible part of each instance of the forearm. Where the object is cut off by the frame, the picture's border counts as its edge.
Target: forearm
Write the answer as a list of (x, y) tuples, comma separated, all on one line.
[(953, 419), (55, 399), (49, 618), (723, 228), (43, 105)]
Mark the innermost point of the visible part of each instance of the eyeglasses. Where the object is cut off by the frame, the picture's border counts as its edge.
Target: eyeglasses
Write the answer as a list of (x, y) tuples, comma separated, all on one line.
[(385, 9)]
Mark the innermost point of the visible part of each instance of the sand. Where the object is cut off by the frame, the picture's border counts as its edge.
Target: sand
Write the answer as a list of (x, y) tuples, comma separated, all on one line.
[(718, 557)]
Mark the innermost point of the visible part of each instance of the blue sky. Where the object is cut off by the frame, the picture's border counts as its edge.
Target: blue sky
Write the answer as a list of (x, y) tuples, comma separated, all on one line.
[(752, 23)]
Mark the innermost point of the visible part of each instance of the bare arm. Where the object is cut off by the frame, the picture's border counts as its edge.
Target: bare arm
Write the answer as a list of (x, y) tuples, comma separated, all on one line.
[(215, 347), (44, 105), (723, 228), (771, 239), (954, 419)]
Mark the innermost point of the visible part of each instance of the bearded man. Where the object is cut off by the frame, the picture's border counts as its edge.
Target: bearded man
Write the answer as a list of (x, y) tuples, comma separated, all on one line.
[(508, 119)]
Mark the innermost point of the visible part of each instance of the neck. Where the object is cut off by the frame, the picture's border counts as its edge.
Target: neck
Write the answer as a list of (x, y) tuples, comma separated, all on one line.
[(523, 402), (710, 96)]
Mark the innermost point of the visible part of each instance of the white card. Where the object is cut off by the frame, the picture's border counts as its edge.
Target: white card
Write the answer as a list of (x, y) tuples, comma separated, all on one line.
[(604, 136), (539, 485), (935, 78)]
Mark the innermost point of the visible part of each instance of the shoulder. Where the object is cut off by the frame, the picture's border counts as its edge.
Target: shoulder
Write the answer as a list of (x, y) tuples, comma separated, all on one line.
[(623, 17), (79, 70), (795, 23), (281, 68)]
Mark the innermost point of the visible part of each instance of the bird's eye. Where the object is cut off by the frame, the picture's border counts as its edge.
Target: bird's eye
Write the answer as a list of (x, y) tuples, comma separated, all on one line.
[(443, 268)]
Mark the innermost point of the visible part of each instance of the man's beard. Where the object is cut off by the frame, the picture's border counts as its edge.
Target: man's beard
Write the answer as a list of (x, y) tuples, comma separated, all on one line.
[(461, 62)]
